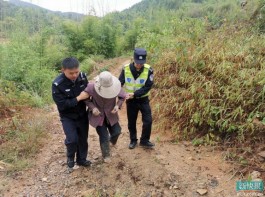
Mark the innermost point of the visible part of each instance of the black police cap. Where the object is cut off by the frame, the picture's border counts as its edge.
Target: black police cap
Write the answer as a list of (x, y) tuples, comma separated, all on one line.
[(140, 55)]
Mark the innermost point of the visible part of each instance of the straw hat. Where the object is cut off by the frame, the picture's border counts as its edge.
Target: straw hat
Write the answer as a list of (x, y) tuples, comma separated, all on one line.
[(107, 86)]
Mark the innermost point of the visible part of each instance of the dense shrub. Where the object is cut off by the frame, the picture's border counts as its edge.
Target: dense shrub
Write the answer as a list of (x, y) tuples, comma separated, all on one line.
[(212, 85)]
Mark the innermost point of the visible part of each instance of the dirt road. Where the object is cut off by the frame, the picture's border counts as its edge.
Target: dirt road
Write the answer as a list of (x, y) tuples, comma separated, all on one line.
[(168, 170)]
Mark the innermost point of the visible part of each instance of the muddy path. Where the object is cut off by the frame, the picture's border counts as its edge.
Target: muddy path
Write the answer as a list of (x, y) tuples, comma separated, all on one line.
[(167, 170)]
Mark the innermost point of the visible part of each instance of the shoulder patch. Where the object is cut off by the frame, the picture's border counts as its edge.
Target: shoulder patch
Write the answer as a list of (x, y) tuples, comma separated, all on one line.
[(83, 76), (151, 77), (58, 81)]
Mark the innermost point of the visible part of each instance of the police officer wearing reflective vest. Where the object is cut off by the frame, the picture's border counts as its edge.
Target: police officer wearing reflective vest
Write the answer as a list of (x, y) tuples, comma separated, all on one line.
[(137, 80), (68, 94)]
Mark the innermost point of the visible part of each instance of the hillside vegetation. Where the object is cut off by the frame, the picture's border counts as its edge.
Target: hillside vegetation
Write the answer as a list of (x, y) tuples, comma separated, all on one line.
[(209, 71)]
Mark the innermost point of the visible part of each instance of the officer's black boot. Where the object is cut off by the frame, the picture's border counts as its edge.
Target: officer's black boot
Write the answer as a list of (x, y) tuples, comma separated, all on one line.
[(105, 149), (114, 139), (70, 163), (133, 144), (71, 150), (147, 144)]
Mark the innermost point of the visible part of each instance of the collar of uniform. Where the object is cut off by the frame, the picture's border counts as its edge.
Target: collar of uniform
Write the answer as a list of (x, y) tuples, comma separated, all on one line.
[(68, 81), (78, 78)]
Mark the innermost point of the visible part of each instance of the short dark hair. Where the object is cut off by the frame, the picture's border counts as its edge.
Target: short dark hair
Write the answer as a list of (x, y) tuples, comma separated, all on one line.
[(70, 63)]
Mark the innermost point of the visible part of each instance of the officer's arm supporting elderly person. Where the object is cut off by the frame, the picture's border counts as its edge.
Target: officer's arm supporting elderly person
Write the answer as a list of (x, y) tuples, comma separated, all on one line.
[(137, 78), (104, 108), (68, 94)]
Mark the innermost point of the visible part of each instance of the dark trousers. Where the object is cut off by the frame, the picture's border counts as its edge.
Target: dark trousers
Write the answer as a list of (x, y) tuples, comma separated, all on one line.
[(133, 108), (76, 132), (106, 131)]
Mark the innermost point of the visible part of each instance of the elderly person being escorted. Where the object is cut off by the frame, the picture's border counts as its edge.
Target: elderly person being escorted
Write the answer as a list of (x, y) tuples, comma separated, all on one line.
[(107, 99)]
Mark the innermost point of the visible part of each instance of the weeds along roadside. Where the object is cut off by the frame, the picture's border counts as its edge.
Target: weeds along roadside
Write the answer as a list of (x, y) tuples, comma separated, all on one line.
[(209, 86), (214, 86), (23, 134), (23, 126)]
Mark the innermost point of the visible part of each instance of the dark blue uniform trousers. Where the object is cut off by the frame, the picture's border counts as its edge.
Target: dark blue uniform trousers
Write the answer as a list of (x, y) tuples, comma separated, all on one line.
[(76, 132), (133, 108), (106, 131)]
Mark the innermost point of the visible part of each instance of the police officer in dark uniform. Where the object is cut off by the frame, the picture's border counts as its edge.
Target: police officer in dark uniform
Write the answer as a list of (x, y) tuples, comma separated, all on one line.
[(137, 79), (68, 94)]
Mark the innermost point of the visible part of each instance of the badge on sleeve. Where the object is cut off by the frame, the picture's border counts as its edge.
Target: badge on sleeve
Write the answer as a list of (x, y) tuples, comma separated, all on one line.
[(151, 77)]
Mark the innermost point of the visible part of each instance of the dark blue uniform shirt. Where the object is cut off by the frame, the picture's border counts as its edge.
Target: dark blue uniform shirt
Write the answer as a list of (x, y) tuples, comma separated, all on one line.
[(64, 93)]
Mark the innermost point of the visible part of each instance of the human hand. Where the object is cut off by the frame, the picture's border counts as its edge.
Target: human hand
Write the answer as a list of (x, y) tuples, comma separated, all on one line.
[(96, 112), (129, 96), (115, 109), (82, 96)]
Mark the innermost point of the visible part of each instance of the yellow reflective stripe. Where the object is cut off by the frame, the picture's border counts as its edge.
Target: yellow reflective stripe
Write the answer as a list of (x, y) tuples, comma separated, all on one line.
[(130, 87), (133, 88)]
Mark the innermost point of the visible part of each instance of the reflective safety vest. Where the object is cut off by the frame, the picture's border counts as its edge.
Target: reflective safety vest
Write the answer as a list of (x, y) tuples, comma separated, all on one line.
[(131, 84)]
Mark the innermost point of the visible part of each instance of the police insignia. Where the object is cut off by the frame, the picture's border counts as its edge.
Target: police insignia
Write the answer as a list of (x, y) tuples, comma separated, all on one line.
[(142, 81), (129, 80)]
